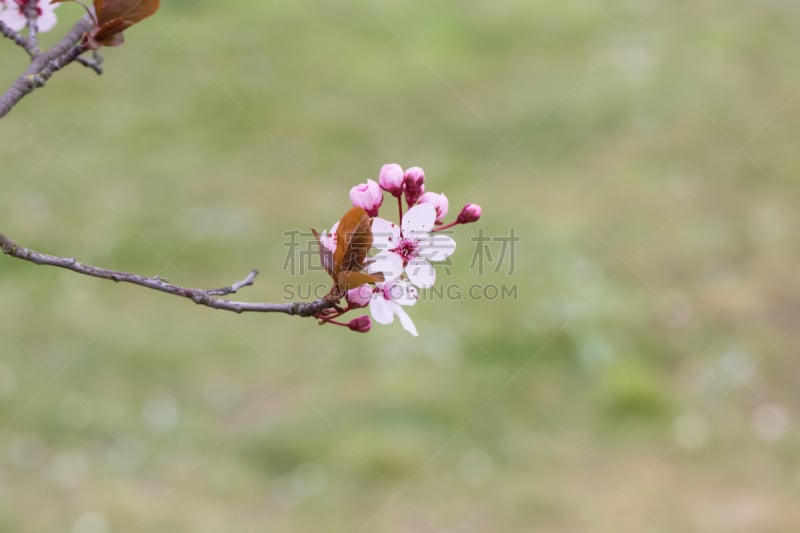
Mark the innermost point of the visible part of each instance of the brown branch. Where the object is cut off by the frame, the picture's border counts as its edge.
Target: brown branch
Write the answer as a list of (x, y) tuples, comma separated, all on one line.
[(44, 65), (199, 296)]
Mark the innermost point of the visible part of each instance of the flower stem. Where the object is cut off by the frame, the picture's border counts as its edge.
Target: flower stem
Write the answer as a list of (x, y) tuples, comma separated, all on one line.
[(335, 322), (446, 226), (400, 209)]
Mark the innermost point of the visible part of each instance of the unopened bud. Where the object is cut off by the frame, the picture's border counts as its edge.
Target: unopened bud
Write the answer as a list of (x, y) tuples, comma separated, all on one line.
[(391, 179), (470, 213), (367, 196), (438, 201), (360, 324), (360, 296), (414, 181)]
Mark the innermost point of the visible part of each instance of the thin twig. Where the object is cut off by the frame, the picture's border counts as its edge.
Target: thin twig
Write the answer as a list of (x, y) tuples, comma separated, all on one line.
[(18, 39), (236, 287), (198, 296), (44, 65), (32, 13), (95, 63)]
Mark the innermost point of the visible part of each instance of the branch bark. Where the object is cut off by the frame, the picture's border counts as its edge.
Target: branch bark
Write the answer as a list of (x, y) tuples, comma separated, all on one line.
[(32, 12), (204, 297), (18, 39), (95, 62), (45, 64)]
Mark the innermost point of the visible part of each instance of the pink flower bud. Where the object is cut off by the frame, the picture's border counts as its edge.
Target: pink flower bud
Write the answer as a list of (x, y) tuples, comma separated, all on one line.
[(360, 296), (391, 179), (414, 181), (361, 324), (368, 196), (438, 201), (470, 213)]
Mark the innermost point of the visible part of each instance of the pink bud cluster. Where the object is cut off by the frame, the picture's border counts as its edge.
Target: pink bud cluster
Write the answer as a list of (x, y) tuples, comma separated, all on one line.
[(408, 184)]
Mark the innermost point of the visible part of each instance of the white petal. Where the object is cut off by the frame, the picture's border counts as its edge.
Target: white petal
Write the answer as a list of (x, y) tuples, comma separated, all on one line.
[(390, 263), (404, 293), (420, 272), (418, 221), (13, 18), (437, 247), (405, 320), (382, 309), (385, 234), (47, 20), (328, 238)]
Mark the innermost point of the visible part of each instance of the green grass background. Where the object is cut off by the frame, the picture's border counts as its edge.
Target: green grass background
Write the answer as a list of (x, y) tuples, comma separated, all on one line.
[(644, 380)]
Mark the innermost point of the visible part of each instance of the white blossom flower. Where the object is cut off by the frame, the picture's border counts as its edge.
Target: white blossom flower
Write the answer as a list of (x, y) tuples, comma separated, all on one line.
[(13, 15), (328, 239), (388, 300), (410, 247)]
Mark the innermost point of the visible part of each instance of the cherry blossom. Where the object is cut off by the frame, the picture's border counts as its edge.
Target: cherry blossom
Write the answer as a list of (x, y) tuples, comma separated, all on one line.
[(328, 238), (327, 242), (401, 265), (410, 247), (12, 13), (388, 300)]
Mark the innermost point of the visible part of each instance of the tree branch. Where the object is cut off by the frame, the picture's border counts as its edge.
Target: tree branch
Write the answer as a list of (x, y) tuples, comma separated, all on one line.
[(199, 296), (44, 65), (95, 62), (18, 39)]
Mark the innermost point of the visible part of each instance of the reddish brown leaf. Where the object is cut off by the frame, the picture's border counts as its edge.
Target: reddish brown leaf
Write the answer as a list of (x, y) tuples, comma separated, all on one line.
[(112, 17), (129, 10), (353, 241), (109, 33), (348, 279)]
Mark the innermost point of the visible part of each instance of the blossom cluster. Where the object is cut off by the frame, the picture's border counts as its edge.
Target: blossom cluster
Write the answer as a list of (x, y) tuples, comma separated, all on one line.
[(404, 249), (12, 14)]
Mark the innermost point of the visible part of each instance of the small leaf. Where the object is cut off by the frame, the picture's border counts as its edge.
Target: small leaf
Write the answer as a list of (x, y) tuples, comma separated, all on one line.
[(109, 33), (112, 17), (131, 11), (348, 279), (353, 241)]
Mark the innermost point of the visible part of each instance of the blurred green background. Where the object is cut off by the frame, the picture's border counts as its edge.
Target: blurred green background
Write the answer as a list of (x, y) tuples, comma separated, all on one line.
[(644, 379)]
